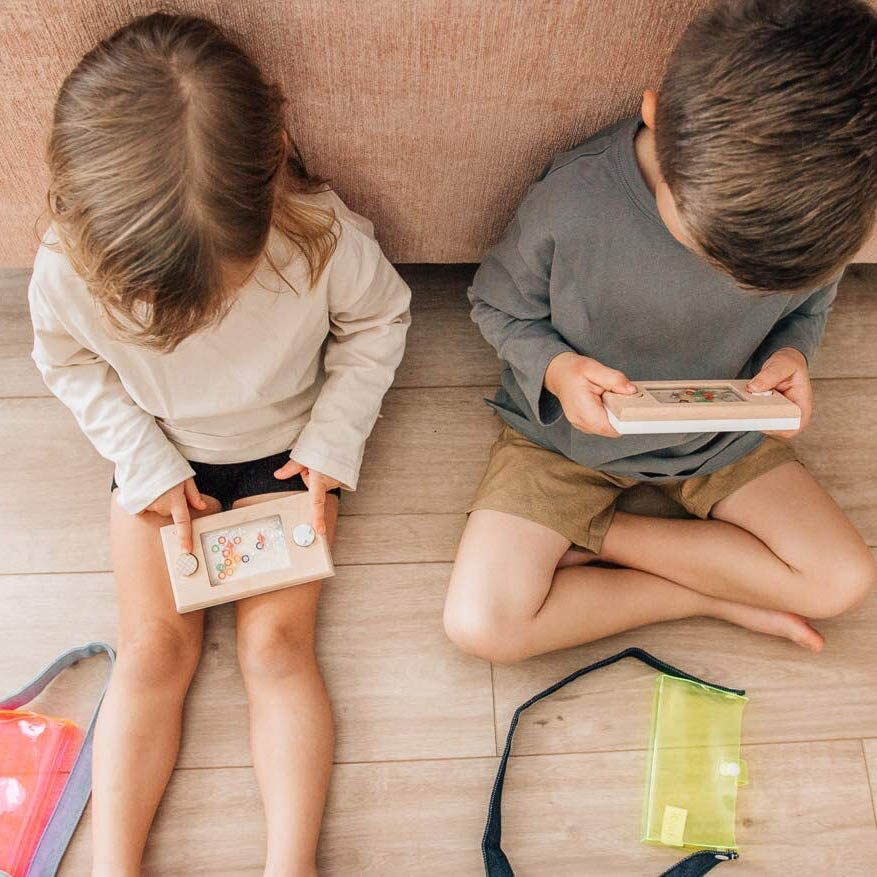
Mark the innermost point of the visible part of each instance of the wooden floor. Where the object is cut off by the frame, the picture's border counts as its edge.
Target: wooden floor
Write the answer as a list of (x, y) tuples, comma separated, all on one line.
[(418, 723)]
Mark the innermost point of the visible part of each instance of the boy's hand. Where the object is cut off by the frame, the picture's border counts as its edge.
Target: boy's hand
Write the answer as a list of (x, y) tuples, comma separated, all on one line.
[(318, 486), (579, 383), (174, 503), (786, 372)]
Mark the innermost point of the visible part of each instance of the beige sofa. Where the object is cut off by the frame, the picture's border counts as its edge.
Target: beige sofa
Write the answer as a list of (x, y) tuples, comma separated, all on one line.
[(430, 116)]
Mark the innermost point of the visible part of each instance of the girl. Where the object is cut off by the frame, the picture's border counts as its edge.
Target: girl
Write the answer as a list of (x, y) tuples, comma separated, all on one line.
[(223, 328)]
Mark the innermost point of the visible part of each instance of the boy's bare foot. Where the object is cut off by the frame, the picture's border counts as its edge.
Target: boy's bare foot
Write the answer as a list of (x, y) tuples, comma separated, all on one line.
[(773, 622)]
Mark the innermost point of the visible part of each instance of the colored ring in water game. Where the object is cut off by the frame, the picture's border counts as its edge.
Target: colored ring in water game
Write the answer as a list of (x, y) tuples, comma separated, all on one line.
[(214, 548), (260, 546), (221, 576), (220, 567), (221, 540), (237, 540), (245, 558)]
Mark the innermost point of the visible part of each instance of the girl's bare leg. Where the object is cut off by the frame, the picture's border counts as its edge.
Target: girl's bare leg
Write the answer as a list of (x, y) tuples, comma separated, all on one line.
[(508, 599), (290, 716), (780, 541), (138, 730)]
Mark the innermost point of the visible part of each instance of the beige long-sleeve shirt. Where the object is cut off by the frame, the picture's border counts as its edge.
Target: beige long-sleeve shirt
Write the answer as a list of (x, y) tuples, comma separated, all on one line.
[(302, 372)]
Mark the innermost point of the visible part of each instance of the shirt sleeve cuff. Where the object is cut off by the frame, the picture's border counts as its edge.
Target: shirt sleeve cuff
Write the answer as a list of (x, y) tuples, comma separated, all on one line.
[(344, 471), (134, 496), (546, 406), (789, 338)]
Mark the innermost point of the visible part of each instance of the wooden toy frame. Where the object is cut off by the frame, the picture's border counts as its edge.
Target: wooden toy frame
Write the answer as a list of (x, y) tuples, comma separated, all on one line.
[(220, 574), (649, 411)]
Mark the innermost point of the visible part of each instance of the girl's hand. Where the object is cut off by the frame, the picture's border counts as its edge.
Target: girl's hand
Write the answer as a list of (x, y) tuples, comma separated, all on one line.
[(579, 383), (318, 486), (174, 503), (786, 372)]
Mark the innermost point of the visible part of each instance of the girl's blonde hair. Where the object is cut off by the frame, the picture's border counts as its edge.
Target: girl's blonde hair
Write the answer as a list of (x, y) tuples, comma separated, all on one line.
[(170, 162)]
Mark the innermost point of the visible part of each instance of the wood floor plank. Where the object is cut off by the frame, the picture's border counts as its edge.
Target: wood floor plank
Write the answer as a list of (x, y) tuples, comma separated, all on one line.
[(794, 696), (870, 747), (426, 538), (807, 811), (838, 447), (18, 375), (426, 453), (444, 346), (400, 689), (414, 818), (54, 511), (848, 349)]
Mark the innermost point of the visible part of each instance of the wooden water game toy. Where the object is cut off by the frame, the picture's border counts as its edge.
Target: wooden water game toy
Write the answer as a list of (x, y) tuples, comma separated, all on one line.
[(246, 551)]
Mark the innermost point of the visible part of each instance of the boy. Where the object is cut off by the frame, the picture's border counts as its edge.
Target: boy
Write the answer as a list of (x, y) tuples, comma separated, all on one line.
[(650, 251)]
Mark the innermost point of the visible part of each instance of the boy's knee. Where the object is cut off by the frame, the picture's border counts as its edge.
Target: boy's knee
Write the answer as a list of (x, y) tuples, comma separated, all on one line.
[(478, 631), (159, 653), (273, 651), (843, 585)]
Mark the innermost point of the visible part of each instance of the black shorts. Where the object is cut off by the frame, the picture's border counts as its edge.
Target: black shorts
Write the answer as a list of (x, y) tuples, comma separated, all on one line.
[(229, 482)]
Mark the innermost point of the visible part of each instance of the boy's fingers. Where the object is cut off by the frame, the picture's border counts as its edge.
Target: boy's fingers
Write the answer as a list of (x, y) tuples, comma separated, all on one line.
[(183, 520), (804, 401), (609, 378), (772, 374), (595, 420), (288, 470), (317, 491)]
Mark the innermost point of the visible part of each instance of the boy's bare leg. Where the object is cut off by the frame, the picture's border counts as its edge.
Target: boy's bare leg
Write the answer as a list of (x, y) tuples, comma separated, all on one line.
[(779, 541), (138, 730), (508, 599), (290, 715)]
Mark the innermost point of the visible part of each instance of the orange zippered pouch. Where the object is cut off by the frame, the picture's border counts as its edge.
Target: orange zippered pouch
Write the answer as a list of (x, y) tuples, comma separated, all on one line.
[(45, 776)]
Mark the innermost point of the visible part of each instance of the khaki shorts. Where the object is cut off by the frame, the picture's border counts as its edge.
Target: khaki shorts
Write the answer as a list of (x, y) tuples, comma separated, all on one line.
[(529, 481)]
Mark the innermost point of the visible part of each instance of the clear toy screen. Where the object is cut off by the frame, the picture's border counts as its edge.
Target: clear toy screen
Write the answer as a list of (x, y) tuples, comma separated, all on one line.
[(695, 395), (251, 549)]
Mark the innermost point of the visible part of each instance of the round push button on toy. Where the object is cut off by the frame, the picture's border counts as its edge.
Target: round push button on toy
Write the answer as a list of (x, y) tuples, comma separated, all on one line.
[(304, 535), (187, 564)]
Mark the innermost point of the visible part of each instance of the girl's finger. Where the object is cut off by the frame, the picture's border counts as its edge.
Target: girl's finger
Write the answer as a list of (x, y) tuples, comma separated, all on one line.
[(288, 470), (183, 520), (317, 491), (193, 495)]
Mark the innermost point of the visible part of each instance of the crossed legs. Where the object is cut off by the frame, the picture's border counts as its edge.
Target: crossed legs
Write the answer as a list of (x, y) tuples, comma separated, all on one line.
[(776, 547)]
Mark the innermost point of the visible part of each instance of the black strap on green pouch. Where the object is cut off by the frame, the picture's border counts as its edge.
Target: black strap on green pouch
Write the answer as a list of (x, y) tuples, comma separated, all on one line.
[(496, 864)]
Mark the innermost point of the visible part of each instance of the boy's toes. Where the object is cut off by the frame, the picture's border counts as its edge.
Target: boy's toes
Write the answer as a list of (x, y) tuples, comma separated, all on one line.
[(803, 634)]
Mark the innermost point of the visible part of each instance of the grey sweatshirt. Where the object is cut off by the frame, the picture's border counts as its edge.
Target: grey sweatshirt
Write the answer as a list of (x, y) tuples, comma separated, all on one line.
[(587, 265)]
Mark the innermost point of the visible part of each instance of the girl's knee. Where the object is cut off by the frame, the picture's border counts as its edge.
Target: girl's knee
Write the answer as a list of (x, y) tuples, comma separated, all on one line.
[(159, 653), (274, 650)]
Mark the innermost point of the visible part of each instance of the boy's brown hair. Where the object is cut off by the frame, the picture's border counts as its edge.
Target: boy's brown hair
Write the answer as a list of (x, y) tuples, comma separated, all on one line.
[(766, 134), (170, 163)]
